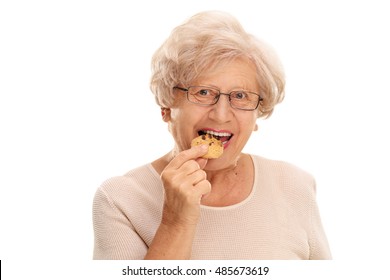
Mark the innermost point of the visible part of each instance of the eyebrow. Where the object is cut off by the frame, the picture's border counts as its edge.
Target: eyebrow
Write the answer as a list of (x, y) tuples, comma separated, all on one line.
[(234, 88)]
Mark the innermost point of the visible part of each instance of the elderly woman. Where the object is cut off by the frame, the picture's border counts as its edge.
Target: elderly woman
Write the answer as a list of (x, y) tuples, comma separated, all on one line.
[(211, 77)]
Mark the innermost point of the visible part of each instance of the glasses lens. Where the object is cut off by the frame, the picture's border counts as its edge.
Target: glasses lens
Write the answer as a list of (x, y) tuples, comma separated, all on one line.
[(202, 95), (244, 100)]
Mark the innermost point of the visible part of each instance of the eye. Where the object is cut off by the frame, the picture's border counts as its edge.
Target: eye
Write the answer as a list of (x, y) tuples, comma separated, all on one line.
[(240, 95), (204, 92)]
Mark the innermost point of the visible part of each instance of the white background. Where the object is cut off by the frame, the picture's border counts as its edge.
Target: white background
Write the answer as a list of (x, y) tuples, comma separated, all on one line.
[(76, 109)]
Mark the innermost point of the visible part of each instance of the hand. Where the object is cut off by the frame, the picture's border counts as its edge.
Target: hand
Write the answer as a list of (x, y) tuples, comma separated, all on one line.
[(185, 183)]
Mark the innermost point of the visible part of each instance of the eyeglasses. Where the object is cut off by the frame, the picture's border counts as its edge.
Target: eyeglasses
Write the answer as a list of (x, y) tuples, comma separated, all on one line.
[(207, 96)]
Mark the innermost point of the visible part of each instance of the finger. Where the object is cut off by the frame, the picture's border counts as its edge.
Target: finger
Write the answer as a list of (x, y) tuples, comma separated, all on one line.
[(203, 188), (192, 153), (202, 162), (198, 176), (189, 167)]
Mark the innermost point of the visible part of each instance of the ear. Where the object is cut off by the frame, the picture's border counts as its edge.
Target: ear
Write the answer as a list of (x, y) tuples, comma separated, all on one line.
[(256, 127), (166, 114)]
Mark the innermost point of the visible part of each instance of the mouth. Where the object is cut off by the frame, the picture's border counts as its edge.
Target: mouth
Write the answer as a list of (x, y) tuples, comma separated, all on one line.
[(224, 136)]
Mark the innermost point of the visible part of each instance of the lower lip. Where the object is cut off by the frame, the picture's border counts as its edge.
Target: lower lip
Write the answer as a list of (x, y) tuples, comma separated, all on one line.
[(227, 144)]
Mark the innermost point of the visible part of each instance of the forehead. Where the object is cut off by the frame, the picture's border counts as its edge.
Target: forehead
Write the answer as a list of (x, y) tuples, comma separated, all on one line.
[(227, 75)]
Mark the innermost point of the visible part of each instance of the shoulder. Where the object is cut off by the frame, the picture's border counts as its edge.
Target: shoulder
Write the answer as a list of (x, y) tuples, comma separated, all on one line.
[(283, 167), (138, 176), (284, 175), (139, 183)]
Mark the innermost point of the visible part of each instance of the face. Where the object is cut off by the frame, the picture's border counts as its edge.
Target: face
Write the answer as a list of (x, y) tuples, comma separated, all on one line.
[(186, 119)]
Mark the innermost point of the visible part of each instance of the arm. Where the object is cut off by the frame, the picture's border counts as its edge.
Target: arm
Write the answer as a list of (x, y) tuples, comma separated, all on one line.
[(115, 237), (184, 184), (171, 242), (319, 247)]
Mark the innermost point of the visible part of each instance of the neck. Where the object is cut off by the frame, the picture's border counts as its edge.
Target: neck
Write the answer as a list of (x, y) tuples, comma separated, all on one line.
[(225, 174), (228, 186)]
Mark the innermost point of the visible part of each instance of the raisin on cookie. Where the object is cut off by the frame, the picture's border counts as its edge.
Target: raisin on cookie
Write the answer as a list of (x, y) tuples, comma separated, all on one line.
[(215, 145)]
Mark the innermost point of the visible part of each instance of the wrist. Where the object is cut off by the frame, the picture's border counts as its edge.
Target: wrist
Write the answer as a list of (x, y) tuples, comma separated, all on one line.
[(172, 242)]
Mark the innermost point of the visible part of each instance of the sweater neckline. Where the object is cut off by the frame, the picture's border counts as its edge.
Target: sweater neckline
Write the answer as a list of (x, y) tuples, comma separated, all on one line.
[(243, 202)]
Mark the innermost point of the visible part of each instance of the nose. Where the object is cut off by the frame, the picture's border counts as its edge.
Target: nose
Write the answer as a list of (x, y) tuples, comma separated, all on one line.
[(221, 111)]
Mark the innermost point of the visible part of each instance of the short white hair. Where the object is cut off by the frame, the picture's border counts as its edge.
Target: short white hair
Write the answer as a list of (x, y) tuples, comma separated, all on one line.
[(203, 41)]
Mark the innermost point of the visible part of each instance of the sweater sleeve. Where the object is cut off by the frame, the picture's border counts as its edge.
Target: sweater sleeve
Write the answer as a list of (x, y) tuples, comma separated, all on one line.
[(319, 247), (115, 237)]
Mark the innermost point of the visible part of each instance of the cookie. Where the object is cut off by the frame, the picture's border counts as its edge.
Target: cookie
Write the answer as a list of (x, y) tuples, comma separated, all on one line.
[(215, 145)]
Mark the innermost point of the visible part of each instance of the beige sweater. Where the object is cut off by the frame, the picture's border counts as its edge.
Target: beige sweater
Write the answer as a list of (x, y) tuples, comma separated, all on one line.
[(278, 220)]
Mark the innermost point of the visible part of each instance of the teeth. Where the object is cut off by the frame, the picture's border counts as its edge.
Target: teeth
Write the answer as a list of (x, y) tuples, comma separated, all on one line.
[(220, 134)]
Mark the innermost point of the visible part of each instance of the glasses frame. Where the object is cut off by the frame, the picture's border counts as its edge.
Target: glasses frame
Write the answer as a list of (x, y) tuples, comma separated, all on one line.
[(218, 96)]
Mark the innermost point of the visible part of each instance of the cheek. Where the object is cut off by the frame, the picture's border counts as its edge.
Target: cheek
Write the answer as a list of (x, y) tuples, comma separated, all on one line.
[(188, 114), (249, 122), (182, 122), (248, 126)]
